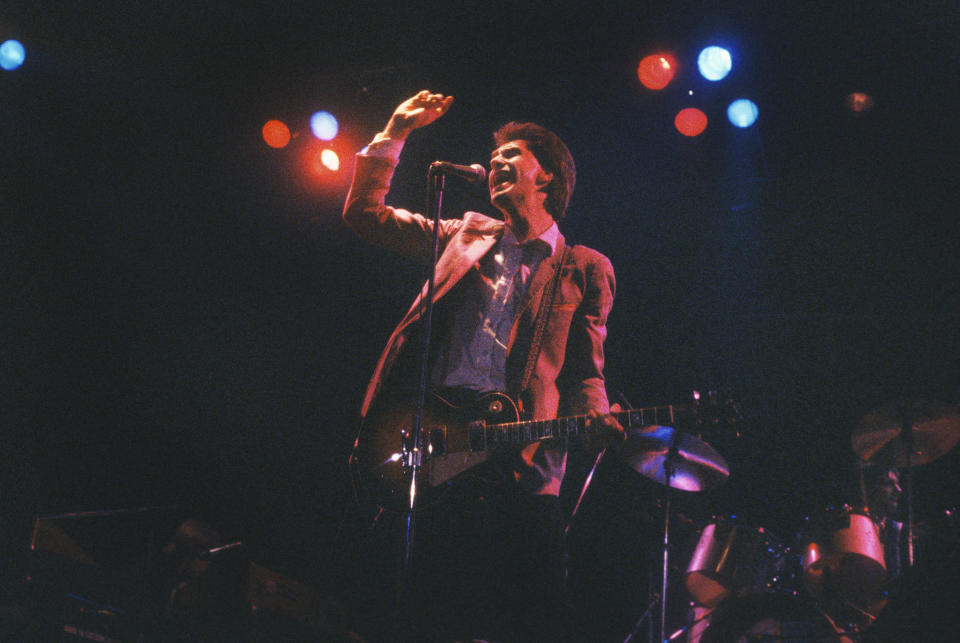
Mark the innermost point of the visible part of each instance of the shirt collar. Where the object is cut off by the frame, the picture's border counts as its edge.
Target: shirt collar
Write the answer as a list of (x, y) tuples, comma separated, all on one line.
[(550, 236)]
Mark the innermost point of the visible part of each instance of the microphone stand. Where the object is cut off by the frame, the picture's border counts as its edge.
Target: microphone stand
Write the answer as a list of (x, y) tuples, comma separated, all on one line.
[(909, 444), (413, 454), (669, 467)]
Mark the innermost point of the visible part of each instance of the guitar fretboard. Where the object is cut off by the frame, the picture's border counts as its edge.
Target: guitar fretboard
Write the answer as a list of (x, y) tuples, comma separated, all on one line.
[(483, 437)]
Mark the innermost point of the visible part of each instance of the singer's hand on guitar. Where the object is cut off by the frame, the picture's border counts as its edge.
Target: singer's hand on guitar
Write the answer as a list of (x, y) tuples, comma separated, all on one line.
[(603, 429), (416, 112)]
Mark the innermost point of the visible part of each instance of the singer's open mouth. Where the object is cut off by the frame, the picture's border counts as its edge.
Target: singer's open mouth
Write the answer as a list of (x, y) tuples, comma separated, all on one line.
[(502, 177)]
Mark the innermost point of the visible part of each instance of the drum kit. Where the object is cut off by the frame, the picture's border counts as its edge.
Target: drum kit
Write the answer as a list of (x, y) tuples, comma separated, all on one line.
[(743, 583)]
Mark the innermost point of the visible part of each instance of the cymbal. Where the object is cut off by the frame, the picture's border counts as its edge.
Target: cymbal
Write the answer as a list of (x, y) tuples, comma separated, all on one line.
[(934, 431), (696, 465)]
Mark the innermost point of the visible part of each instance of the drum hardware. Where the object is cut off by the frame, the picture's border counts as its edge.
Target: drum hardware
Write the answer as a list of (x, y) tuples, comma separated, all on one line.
[(583, 489), (701, 620), (675, 460), (904, 434)]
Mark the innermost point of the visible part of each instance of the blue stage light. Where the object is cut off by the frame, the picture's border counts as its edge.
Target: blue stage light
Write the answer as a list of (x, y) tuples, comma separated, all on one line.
[(12, 55), (324, 126), (714, 63), (743, 112)]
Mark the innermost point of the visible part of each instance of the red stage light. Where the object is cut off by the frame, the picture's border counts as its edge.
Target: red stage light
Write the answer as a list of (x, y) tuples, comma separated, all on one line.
[(657, 70), (690, 121), (276, 134)]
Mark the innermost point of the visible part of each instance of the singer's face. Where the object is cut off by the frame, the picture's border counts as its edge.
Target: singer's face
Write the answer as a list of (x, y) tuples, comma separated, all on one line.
[(515, 174)]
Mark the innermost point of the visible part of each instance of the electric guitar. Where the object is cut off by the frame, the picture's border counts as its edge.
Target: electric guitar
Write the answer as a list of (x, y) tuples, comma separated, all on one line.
[(455, 438)]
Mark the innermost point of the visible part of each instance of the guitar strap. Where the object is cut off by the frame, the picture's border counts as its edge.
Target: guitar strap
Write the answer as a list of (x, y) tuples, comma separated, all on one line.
[(543, 315)]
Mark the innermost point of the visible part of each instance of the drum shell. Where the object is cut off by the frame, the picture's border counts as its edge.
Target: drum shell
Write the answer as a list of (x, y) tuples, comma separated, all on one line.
[(732, 559), (844, 558)]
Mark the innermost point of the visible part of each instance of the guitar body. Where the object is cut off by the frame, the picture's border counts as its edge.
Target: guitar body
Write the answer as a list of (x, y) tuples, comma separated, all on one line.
[(456, 437), (379, 465)]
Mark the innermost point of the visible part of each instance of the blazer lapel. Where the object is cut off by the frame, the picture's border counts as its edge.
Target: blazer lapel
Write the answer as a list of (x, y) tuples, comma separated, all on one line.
[(463, 251)]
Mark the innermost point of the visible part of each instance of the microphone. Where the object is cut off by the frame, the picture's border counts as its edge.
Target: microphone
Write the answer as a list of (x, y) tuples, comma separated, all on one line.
[(471, 173)]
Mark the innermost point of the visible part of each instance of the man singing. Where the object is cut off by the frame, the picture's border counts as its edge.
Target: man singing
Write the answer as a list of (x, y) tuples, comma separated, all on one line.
[(517, 311)]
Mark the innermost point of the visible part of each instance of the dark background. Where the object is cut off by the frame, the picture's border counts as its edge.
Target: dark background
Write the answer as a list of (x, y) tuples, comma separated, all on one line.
[(187, 321)]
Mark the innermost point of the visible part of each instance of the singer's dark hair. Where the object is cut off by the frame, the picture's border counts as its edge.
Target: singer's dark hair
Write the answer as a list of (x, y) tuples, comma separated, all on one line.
[(553, 156)]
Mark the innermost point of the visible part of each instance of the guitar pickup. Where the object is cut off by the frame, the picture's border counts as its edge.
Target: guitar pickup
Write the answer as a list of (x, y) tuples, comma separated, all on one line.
[(434, 441)]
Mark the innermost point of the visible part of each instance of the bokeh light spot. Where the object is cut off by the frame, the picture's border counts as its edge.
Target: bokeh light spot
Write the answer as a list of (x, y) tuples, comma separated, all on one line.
[(323, 162), (714, 63), (859, 102), (690, 121), (330, 160), (657, 70), (12, 54), (743, 112), (276, 134), (324, 126)]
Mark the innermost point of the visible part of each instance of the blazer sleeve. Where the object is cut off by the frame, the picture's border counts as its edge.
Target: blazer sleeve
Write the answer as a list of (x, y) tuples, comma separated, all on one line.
[(396, 229), (583, 381)]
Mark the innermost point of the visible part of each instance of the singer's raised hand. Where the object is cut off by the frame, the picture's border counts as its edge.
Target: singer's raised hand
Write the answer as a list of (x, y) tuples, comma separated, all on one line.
[(415, 112)]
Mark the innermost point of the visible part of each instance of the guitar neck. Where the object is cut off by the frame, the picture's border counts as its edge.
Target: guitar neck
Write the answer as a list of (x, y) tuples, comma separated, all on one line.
[(566, 427)]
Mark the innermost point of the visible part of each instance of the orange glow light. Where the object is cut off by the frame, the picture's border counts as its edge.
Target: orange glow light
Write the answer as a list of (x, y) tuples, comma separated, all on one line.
[(690, 121), (859, 102), (657, 70), (322, 167), (276, 134)]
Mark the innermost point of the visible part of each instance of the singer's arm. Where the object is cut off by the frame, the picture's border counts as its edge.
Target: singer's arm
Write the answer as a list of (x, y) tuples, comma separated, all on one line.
[(415, 112), (365, 210)]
